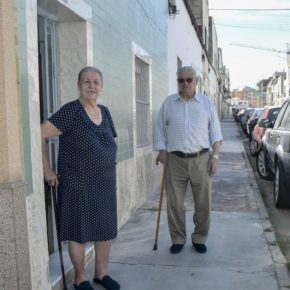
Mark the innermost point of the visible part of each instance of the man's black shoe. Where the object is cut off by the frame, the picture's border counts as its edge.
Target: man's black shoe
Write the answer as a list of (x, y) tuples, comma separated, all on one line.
[(176, 248), (200, 248), (108, 283)]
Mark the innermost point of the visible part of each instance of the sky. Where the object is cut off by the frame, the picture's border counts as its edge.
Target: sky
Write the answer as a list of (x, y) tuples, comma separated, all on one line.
[(263, 29)]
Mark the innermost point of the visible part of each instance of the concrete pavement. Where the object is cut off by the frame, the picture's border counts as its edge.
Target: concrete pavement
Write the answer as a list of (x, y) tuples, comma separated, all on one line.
[(242, 250)]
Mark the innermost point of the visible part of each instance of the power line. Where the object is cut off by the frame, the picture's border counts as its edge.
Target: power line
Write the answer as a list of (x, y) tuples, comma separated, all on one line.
[(252, 27), (251, 9)]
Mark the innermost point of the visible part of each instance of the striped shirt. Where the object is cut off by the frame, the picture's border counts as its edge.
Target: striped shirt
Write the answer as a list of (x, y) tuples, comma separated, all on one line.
[(187, 126)]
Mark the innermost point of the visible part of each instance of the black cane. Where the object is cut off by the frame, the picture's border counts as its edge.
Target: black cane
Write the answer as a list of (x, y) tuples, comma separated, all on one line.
[(54, 193)]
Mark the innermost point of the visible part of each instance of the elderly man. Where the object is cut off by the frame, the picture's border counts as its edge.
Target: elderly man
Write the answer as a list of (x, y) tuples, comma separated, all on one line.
[(188, 136)]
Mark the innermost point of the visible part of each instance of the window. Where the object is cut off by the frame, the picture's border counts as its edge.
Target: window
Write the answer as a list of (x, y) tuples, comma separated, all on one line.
[(280, 116), (142, 102), (286, 118), (49, 103), (273, 114)]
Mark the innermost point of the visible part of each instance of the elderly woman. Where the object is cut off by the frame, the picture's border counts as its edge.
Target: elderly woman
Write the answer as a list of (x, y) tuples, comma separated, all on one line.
[(86, 177)]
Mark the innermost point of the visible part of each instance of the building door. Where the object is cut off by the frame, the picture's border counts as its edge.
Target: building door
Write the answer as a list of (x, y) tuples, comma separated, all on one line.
[(49, 103)]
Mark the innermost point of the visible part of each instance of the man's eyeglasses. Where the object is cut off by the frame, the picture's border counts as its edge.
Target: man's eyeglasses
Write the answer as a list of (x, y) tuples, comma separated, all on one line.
[(182, 81)]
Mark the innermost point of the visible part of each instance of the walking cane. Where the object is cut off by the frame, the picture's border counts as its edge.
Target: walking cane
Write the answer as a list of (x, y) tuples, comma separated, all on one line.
[(160, 206), (53, 192)]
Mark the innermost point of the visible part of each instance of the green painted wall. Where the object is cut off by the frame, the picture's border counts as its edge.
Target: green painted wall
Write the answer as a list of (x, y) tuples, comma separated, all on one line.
[(23, 83), (115, 25)]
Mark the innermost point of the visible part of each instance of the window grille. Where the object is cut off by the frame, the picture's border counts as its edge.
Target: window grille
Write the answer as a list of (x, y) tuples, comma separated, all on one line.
[(142, 102)]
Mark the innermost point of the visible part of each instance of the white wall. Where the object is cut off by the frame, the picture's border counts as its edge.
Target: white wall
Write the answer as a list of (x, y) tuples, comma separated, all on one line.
[(183, 43), (213, 86)]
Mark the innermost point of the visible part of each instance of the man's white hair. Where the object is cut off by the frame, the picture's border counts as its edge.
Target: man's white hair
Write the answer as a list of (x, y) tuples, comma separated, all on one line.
[(186, 69)]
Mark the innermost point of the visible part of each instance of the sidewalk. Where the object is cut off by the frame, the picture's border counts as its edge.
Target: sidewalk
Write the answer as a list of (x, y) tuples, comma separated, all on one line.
[(242, 252)]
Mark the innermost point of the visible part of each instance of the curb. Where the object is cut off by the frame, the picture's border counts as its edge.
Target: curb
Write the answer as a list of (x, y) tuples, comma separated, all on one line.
[(282, 273)]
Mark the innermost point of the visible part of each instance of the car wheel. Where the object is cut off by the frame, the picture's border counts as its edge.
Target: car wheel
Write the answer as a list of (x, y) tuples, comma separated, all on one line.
[(281, 195), (262, 166), (253, 147)]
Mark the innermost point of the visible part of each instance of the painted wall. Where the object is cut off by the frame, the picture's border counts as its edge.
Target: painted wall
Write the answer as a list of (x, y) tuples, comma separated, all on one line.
[(183, 43), (104, 35), (118, 27), (115, 26)]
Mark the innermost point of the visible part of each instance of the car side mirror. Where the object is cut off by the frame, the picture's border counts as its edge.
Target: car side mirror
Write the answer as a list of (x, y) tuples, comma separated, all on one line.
[(263, 123), (266, 123)]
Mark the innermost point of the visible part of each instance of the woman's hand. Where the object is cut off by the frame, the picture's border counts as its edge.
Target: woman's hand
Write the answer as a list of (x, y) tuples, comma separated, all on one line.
[(50, 177), (48, 130)]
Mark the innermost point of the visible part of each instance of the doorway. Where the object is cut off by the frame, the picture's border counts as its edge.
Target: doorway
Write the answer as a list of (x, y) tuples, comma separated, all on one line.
[(49, 103)]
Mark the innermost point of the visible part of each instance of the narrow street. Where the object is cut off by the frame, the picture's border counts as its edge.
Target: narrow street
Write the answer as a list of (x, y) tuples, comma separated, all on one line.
[(280, 218), (242, 249)]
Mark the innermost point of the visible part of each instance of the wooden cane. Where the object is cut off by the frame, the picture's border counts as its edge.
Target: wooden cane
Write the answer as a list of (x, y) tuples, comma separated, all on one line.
[(160, 206)]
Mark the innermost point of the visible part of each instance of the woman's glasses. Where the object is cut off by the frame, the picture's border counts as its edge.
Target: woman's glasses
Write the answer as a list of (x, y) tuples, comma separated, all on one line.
[(182, 81)]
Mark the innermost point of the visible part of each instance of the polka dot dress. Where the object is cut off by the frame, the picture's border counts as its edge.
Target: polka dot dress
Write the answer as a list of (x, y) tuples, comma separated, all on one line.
[(87, 204)]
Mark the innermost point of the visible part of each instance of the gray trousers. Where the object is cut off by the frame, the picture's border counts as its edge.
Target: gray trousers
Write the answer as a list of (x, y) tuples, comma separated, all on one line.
[(179, 172)]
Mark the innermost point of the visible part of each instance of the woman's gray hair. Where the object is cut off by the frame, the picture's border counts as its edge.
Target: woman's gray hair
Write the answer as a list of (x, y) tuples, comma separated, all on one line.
[(90, 69), (186, 69)]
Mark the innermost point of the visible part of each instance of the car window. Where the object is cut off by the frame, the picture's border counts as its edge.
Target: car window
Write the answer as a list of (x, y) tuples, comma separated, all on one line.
[(286, 118), (263, 115), (258, 112), (251, 112), (280, 115), (273, 114)]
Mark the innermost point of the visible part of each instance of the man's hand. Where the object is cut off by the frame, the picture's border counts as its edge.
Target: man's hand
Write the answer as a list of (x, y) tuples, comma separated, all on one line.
[(212, 166), (161, 157)]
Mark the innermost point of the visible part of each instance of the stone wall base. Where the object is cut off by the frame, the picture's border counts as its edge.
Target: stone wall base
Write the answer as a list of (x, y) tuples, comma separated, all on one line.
[(14, 250)]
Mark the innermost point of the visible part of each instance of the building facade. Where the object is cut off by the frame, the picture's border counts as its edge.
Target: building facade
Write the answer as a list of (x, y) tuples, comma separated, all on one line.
[(45, 45), (138, 46)]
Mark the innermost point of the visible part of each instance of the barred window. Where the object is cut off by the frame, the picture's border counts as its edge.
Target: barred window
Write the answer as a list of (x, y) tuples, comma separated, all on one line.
[(142, 102)]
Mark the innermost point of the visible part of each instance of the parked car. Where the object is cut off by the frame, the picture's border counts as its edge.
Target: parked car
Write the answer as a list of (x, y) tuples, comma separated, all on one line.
[(247, 115), (240, 115), (235, 113), (253, 120), (266, 118), (273, 159)]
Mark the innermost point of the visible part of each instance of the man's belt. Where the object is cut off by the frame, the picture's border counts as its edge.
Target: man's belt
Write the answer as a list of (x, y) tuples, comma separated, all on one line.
[(190, 155)]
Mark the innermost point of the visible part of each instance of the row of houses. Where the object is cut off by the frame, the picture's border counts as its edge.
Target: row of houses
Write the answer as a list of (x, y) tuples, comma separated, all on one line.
[(44, 44), (271, 91), (274, 90)]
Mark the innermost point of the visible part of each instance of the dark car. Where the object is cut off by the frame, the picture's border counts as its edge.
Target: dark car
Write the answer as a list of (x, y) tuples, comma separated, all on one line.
[(253, 120), (266, 118), (247, 115), (273, 159), (240, 115), (235, 113)]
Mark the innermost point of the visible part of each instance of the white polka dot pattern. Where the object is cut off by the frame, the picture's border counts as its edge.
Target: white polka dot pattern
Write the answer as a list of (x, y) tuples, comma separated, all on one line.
[(87, 205)]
